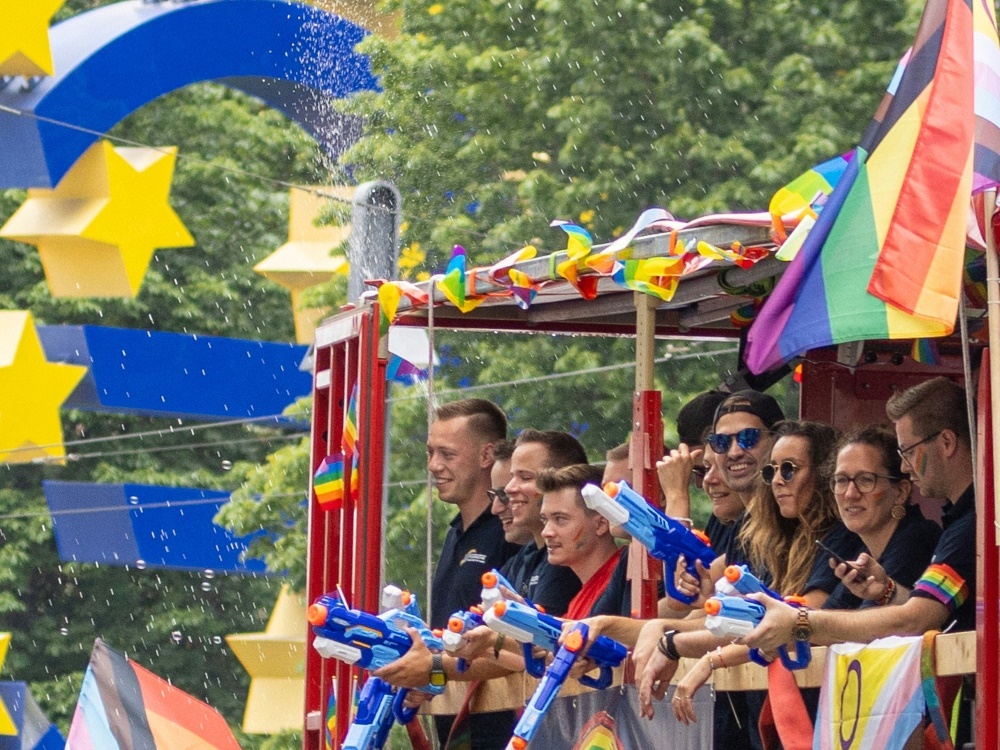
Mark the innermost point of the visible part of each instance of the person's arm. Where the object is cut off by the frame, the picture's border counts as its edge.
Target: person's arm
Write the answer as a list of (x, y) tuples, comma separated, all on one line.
[(918, 615), (674, 473), (698, 675)]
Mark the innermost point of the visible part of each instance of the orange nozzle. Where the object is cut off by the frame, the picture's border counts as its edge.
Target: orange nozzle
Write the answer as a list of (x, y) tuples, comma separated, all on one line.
[(703, 536), (476, 609), (489, 579), (316, 614), (407, 598), (733, 574), (796, 599), (455, 625), (437, 632), (713, 606), (611, 489), (574, 641), (518, 743), (499, 608), (540, 608)]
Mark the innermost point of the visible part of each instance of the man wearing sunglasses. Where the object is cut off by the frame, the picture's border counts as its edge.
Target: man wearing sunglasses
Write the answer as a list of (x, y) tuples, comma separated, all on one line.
[(742, 438), (933, 434)]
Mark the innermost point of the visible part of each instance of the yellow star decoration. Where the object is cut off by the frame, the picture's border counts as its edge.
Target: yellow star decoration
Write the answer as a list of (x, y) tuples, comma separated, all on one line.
[(98, 229), (7, 726), (305, 260), (31, 391), (276, 661), (24, 37)]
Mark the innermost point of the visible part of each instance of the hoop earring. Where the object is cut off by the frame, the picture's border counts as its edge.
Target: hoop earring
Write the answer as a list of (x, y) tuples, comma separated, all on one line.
[(898, 512)]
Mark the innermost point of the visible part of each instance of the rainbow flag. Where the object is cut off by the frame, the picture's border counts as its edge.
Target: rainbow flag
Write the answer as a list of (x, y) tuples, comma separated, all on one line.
[(349, 439), (872, 695), (328, 482), (453, 284), (124, 706), (884, 259)]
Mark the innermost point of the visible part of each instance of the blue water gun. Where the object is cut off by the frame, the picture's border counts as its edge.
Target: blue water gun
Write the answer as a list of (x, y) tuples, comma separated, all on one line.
[(610, 654), (369, 641), (737, 580), (733, 617), (665, 538), (490, 594), (529, 627), (459, 624), (373, 721)]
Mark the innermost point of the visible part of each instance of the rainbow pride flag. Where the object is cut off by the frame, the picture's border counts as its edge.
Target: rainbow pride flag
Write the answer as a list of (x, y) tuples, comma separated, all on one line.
[(885, 257), (328, 482)]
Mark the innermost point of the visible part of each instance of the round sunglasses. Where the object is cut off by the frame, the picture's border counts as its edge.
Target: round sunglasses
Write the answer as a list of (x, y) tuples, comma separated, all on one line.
[(786, 470), (498, 495), (746, 438)]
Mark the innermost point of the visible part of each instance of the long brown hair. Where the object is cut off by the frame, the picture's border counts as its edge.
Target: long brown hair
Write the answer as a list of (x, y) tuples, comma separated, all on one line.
[(786, 547)]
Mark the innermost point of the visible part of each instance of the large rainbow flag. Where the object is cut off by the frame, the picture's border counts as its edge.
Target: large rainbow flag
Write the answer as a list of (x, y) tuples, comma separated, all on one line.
[(125, 707), (885, 257)]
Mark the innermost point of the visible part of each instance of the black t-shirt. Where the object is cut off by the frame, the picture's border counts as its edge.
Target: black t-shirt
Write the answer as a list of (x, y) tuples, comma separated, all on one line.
[(550, 586), (906, 556), (719, 534), (466, 555), (617, 597), (950, 579), (845, 543)]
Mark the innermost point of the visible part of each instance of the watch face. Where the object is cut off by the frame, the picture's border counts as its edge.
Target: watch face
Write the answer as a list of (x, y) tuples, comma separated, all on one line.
[(802, 632)]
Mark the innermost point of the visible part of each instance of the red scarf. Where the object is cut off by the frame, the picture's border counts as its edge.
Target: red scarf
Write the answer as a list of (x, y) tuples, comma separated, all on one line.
[(584, 601)]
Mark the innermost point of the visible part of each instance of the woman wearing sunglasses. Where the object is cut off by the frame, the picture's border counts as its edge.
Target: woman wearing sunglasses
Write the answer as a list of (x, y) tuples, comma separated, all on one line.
[(873, 496), (779, 536)]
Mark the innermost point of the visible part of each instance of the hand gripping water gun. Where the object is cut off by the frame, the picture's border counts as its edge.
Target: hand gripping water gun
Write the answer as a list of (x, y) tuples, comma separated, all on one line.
[(368, 641), (459, 624), (734, 617), (665, 538), (607, 655), (530, 627)]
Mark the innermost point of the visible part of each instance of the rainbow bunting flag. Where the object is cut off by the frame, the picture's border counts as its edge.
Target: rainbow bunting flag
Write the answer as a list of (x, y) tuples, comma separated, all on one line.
[(925, 352), (522, 288), (655, 276), (328, 482), (349, 438), (331, 718), (884, 259), (452, 285), (389, 295), (578, 245), (807, 194)]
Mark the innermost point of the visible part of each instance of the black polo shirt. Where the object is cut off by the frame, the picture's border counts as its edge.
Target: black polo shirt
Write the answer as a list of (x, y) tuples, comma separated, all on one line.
[(550, 586), (466, 555), (951, 578)]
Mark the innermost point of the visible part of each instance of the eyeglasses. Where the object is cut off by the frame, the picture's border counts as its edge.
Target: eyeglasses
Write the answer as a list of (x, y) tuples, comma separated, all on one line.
[(786, 471), (904, 452), (746, 438), (865, 481), (498, 495)]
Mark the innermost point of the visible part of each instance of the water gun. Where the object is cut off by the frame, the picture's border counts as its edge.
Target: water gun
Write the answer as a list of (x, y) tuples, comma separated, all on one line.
[(459, 624), (529, 627), (373, 721), (556, 675), (368, 641), (737, 580), (492, 581), (394, 597), (733, 617), (665, 538)]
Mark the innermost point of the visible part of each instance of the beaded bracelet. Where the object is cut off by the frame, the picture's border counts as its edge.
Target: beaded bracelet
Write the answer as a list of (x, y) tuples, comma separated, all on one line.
[(711, 664), (890, 593)]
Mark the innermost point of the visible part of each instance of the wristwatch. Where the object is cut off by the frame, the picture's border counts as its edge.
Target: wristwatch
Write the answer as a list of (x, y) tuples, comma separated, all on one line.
[(438, 677), (802, 631)]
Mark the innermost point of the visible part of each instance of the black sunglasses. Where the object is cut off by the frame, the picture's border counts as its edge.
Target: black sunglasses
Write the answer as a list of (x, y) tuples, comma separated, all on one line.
[(786, 470), (746, 438), (498, 495)]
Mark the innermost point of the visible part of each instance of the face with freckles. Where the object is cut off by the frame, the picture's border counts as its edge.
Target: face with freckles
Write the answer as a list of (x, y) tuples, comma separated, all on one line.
[(792, 495), (866, 513)]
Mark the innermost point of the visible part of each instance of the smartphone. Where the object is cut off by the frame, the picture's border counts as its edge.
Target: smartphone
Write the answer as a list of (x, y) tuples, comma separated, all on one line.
[(834, 555)]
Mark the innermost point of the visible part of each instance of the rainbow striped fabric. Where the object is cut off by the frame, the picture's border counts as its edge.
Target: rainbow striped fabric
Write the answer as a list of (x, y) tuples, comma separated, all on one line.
[(945, 585), (884, 259), (349, 439), (328, 482)]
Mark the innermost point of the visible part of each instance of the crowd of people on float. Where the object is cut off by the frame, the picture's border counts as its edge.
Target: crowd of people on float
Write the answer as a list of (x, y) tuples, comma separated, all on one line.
[(825, 517)]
